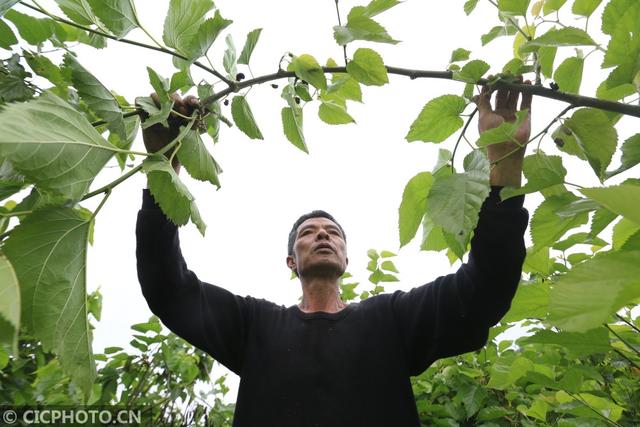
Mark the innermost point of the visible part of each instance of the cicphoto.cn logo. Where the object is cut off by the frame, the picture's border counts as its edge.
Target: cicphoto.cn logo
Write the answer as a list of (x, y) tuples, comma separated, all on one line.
[(70, 415)]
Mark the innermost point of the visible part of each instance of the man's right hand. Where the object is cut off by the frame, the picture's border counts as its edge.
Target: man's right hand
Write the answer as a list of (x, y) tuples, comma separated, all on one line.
[(157, 136)]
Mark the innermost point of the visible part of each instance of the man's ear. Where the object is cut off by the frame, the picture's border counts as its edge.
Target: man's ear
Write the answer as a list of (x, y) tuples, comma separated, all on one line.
[(291, 263)]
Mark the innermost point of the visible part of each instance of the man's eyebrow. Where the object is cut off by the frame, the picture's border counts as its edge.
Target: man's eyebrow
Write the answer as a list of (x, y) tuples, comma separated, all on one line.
[(314, 226)]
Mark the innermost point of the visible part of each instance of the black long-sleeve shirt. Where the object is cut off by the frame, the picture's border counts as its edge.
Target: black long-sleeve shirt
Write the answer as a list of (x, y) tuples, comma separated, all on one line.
[(349, 368)]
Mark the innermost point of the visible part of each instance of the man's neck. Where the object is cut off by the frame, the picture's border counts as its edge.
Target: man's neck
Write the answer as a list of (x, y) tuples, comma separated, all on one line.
[(320, 294)]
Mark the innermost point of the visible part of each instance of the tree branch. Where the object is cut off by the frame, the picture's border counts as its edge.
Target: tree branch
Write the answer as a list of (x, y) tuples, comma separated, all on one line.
[(574, 100), (131, 42)]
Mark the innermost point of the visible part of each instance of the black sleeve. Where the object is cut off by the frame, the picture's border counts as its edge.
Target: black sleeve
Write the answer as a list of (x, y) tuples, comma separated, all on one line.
[(453, 314), (209, 317)]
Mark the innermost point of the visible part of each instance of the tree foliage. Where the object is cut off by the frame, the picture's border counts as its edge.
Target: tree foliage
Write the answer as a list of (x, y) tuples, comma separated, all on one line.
[(60, 126)]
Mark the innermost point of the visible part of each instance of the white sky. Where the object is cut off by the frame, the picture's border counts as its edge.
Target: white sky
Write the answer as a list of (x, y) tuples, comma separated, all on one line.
[(356, 172)]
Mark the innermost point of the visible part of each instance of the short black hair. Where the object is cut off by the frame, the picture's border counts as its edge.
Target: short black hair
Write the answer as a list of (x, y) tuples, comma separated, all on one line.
[(303, 218)]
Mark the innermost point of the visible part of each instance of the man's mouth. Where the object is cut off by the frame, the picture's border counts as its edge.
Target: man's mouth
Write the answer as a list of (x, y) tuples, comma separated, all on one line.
[(323, 246)]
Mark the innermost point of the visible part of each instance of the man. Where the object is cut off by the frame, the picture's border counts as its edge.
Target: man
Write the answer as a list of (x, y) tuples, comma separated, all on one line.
[(324, 362)]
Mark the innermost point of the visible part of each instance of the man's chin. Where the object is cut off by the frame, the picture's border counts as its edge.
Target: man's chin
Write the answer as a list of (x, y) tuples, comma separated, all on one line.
[(324, 270)]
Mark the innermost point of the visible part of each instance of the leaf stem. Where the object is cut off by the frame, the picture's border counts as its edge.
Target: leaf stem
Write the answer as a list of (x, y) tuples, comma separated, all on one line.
[(581, 400), (131, 42), (102, 202), (634, 327), (540, 134), (137, 168), (464, 129), (10, 214), (573, 185), (632, 348), (344, 46)]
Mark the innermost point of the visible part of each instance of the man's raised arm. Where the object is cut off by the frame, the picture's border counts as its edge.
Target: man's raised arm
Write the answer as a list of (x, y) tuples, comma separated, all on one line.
[(209, 317), (453, 314)]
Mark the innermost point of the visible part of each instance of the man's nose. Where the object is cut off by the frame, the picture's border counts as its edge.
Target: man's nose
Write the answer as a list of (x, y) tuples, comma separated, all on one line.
[(322, 234)]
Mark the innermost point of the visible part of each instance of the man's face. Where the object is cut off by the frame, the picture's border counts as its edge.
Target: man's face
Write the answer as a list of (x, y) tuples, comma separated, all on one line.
[(319, 249)]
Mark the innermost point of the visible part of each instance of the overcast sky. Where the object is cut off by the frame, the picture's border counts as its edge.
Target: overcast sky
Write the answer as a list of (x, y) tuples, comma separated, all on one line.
[(357, 172)]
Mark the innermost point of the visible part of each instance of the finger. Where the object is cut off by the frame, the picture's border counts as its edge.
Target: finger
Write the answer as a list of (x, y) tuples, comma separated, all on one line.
[(526, 99), (502, 98), (156, 99), (512, 101), (483, 101)]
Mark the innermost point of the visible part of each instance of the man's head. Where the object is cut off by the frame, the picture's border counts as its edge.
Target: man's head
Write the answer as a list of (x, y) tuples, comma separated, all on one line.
[(317, 246)]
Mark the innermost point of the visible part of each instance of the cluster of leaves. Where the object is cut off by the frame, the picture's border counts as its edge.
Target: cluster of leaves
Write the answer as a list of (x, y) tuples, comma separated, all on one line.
[(548, 377), (167, 379), (56, 143)]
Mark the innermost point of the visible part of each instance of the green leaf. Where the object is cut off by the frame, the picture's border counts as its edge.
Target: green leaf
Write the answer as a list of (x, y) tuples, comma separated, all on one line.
[(596, 136), (33, 30), (156, 115), (546, 57), (438, 120), (117, 15), (207, 34), (249, 45), (292, 127), (42, 66), (368, 68), (7, 38), (334, 114), (182, 81), (96, 95), (551, 6), (183, 21), (229, 59), (172, 195), (620, 15), (601, 219), (78, 11), (469, 6), (48, 251), (621, 199), (621, 50), (590, 292), (503, 133), (5, 5), (151, 326), (541, 171), (53, 145), (459, 54), (413, 206), (307, 68), (579, 239), (547, 227), (361, 27), (630, 155), (131, 126), (243, 117), (342, 87), (530, 302), (622, 232), (472, 71), (585, 7), (197, 160), (514, 7), (568, 75), (432, 236), (507, 370), (567, 36), (376, 7), (498, 31), (9, 305), (455, 200)]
